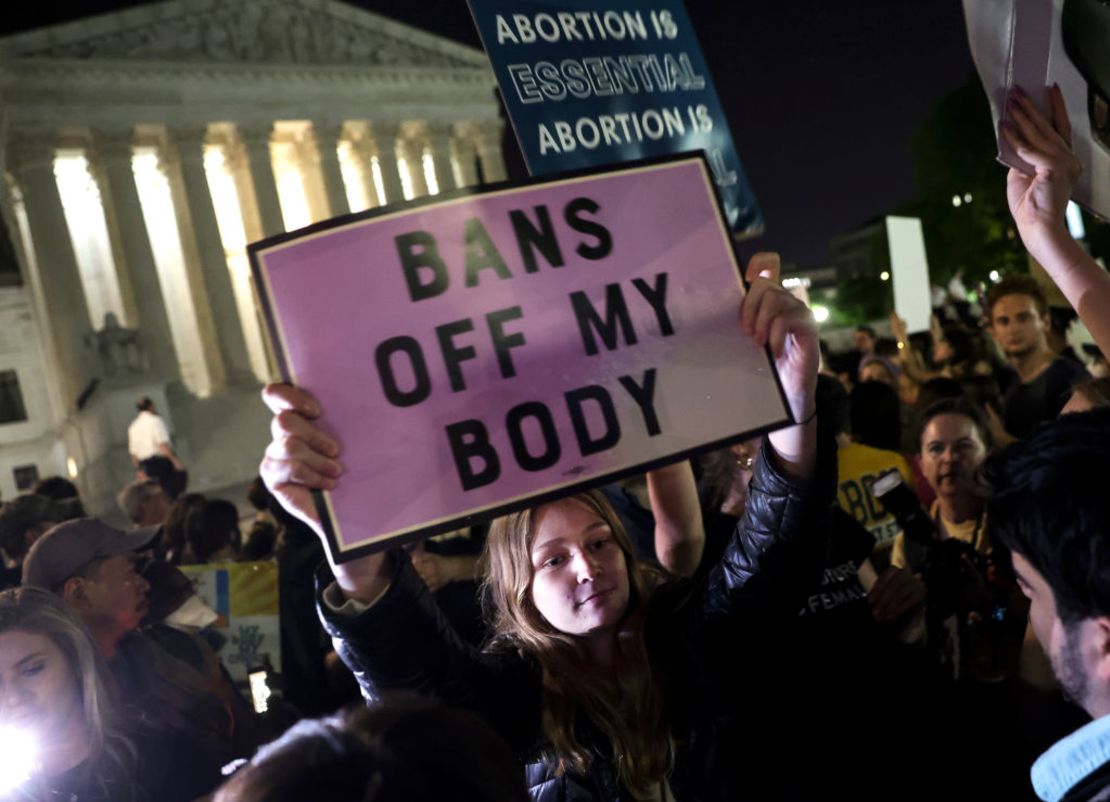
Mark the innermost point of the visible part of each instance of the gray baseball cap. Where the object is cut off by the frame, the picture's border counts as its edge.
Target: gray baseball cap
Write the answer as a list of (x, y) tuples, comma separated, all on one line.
[(70, 546)]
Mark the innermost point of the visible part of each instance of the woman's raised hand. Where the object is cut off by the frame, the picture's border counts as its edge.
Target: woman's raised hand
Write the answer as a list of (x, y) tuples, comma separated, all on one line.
[(1038, 200), (300, 457), (774, 317)]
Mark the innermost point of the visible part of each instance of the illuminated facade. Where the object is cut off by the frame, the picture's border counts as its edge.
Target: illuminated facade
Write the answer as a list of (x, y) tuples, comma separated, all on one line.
[(142, 150)]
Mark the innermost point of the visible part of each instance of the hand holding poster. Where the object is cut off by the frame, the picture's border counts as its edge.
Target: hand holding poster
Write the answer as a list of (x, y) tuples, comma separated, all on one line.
[(475, 354), (1035, 44), (590, 84)]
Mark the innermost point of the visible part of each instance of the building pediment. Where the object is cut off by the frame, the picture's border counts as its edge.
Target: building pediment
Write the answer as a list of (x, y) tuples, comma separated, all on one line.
[(296, 32)]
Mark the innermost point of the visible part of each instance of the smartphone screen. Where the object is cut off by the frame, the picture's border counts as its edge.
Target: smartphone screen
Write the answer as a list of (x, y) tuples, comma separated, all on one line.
[(260, 690), (885, 483)]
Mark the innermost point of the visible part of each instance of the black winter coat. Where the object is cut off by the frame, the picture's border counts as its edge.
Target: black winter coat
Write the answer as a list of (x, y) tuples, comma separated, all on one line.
[(773, 556)]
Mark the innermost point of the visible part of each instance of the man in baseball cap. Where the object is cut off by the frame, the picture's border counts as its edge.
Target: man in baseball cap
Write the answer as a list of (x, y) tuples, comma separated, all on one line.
[(92, 567), (171, 676)]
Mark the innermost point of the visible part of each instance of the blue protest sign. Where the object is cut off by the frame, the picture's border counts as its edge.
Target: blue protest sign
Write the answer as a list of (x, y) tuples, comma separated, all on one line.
[(588, 84)]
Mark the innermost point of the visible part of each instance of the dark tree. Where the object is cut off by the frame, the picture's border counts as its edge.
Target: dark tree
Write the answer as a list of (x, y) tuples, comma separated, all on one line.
[(954, 157)]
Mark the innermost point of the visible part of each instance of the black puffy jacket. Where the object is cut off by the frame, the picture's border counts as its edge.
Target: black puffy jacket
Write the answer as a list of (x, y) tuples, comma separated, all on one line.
[(772, 558)]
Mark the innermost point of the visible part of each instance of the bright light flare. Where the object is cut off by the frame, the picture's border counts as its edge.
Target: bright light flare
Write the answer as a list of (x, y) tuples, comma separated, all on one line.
[(1075, 221), (820, 313), (430, 179), (996, 276), (885, 275), (18, 756), (260, 691)]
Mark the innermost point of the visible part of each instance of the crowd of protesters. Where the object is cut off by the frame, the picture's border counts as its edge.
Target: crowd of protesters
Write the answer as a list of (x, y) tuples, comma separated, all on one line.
[(903, 595)]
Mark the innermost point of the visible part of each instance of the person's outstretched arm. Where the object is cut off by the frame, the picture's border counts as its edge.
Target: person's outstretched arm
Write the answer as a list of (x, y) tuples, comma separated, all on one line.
[(774, 317), (381, 616), (302, 458), (679, 532), (776, 548), (1038, 202)]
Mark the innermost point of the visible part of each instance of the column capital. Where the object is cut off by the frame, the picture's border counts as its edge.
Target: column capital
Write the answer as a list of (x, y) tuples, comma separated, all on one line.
[(189, 140), (440, 133), (255, 136), (27, 149), (488, 132), (464, 143), (235, 155), (308, 150), (385, 130), (112, 144), (412, 146), (328, 129)]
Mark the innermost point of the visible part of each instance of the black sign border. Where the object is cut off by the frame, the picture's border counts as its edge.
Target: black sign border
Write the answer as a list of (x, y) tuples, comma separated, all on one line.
[(339, 555)]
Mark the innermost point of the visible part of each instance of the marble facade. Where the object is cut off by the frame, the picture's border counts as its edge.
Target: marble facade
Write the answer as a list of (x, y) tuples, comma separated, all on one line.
[(188, 118)]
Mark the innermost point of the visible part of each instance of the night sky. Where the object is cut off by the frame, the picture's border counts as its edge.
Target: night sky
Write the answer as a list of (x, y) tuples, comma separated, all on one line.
[(821, 97)]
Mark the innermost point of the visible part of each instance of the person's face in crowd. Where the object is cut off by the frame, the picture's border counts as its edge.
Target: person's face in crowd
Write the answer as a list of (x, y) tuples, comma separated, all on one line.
[(580, 581), (952, 450), (1018, 327), (1071, 648), (38, 692), (942, 349), (113, 598), (877, 372), (154, 509), (863, 342)]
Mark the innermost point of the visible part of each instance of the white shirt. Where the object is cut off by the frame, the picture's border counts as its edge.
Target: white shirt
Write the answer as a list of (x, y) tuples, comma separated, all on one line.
[(145, 434)]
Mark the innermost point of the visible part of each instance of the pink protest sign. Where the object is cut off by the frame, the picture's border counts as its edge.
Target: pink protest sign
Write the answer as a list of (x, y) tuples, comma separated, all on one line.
[(476, 353)]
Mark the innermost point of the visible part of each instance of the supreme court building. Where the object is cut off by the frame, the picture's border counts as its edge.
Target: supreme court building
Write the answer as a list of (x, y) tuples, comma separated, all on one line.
[(142, 150)]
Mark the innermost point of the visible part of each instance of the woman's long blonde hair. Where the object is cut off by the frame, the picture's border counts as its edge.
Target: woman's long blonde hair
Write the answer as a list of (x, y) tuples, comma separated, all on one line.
[(111, 756), (623, 701)]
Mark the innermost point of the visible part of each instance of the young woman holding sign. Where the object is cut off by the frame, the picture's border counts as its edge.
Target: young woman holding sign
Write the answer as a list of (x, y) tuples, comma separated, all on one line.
[(602, 684)]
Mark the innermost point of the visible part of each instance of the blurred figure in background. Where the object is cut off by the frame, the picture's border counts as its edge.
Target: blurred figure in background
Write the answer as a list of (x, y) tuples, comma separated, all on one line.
[(407, 749), (24, 520), (144, 503)]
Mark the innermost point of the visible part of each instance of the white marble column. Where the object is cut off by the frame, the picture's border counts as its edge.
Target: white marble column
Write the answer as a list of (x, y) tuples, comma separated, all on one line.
[(488, 140), (439, 141), (362, 153), (236, 158), (466, 156), (327, 134), (218, 291), (256, 141), (118, 264), (385, 139), (30, 157), (412, 148), (113, 151)]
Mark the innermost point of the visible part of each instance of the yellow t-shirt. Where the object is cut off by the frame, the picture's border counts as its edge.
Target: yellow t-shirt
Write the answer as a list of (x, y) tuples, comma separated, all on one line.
[(858, 466)]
